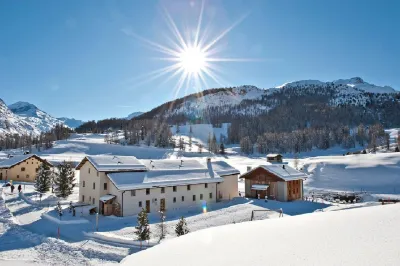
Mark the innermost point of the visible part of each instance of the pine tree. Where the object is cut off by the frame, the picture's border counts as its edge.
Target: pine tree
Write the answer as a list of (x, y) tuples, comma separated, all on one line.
[(181, 227), (64, 180), (190, 143), (162, 227), (190, 129), (142, 229), (43, 178), (200, 147)]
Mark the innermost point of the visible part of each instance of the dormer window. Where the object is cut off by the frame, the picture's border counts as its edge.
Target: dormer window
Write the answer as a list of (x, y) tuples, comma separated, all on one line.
[(89, 170)]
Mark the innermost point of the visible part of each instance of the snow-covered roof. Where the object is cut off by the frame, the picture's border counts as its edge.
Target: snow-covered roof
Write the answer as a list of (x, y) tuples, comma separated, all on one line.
[(273, 155), (321, 238), (172, 164), (223, 168), (284, 171), (162, 178), (106, 198), (112, 163), (259, 187), (281, 170), (16, 159)]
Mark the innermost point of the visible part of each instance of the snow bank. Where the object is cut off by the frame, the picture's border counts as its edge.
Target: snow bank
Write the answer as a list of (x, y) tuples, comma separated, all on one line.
[(365, 236)]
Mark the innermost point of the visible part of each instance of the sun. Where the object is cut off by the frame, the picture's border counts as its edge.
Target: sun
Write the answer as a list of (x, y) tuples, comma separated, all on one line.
[(192, 60)]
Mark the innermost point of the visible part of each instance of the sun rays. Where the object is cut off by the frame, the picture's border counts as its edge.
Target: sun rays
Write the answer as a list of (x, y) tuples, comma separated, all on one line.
[(193, 61)]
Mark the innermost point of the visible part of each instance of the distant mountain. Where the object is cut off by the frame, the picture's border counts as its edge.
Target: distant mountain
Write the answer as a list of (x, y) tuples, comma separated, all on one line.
[(135, 114), (71, 122), (33, 119), (302, 101), (12, 123)]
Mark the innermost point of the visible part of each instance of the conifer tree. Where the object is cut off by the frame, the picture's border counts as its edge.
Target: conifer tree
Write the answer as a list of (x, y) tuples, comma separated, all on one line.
[(222, 148), (162, 227), (43, 178), (190, 143), (142, 229), (181, 227), (64, 180)]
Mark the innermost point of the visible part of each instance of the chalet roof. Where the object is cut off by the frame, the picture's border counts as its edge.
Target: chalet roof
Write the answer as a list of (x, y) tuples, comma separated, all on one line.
[(172, 164), (223, 168), (282, 171), (16, 159), (162, 178), (112, 163), (273, 155)]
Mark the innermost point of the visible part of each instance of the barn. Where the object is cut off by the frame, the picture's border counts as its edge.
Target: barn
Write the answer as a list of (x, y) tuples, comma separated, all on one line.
[(276, 180)]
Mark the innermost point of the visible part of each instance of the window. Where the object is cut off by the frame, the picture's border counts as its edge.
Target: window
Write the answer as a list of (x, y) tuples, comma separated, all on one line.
[(163, 190), (206, 185), (97, 173), (194, 197), (27, 176), (188, 187), (210, 195), (147, 191), (17, 176), (32, 162), (37, 170), (133, 193), (183, 198), (83, 183), (140, 203), (174, 200), (93, 200), (90, 199), (174, 188), (94, 185), (83, 198), (88, 170), (201, 196), (22, 169), (105, 186)]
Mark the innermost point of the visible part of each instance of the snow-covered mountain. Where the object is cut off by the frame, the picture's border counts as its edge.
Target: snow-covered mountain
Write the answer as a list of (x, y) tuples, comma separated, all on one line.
[(250, 100), (12, 123), (23, 117), (134, 114), (71, 122)]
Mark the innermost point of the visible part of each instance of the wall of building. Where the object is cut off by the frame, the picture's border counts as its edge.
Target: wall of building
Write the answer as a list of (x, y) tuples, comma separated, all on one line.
[(90, 177), (131, 203), (23, 172), (229, 188)]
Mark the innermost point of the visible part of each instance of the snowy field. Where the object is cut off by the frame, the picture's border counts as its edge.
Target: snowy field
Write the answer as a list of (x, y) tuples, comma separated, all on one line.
[(29, 226), (364, 236)]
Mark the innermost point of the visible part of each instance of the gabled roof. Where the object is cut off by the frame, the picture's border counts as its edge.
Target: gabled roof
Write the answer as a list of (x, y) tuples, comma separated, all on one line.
[(223, 168), (16, 159), (162, 178), (112, 163), (282, 171)]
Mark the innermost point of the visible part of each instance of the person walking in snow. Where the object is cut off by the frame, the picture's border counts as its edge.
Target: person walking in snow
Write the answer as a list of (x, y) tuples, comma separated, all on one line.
[(12, 188), (19, 188)]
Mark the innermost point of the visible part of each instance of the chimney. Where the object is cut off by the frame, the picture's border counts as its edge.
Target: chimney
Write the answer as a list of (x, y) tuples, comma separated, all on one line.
[(248, 168)]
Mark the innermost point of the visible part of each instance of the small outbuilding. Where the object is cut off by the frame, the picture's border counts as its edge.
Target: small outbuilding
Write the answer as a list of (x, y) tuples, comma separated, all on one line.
[(274, 180)]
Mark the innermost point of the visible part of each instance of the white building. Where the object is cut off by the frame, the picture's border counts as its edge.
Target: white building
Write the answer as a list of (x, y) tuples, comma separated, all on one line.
[(123, 185)]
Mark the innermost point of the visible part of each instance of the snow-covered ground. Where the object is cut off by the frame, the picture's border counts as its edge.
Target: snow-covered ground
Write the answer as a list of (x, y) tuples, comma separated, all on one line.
[(28, 226), (365, 236)]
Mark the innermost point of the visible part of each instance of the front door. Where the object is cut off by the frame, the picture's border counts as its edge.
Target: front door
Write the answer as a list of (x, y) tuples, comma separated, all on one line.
[(148, 206), (162, 205)]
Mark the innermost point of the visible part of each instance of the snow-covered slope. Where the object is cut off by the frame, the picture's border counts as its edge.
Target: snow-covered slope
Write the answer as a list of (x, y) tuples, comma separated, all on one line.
[(364, 236), (38, 119), (12, 123), (71, 122), (134, 114)]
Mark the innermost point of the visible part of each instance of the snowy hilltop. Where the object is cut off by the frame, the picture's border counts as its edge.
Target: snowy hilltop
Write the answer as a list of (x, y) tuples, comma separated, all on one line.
[(71, 122), (24, 118)]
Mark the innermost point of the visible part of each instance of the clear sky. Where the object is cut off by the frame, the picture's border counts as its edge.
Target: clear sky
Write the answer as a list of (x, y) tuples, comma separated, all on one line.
[(84, 59)]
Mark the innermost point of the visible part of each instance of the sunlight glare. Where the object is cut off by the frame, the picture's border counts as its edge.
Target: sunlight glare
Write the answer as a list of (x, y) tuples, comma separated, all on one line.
[(192, 60)]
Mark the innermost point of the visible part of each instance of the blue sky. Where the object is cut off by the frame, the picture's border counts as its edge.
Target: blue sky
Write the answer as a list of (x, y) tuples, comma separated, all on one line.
[(78, 58)]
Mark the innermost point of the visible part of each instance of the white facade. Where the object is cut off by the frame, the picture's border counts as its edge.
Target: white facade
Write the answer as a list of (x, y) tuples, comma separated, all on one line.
[(137, 190)]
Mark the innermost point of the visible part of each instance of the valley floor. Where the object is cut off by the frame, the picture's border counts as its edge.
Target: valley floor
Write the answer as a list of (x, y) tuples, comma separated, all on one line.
[(29, 226)]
